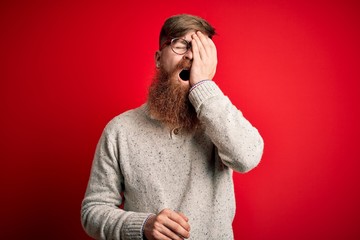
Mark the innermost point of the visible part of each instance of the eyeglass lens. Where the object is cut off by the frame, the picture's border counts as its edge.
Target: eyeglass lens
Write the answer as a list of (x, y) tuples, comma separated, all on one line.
[(179, 46)]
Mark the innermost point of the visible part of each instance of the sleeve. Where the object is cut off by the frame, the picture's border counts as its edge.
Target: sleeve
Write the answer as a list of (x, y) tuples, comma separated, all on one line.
[(101, 216), (239, 144)]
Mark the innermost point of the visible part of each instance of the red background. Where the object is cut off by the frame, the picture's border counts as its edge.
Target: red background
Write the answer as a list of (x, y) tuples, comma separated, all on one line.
[(68, 67)]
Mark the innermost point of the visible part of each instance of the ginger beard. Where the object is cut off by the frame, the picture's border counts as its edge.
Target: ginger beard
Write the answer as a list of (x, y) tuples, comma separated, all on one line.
[(168, 99)]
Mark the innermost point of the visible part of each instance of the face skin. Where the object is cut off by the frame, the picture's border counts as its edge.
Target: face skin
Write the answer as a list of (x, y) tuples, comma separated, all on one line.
[(168, 96), (168, 60), (203, 56)]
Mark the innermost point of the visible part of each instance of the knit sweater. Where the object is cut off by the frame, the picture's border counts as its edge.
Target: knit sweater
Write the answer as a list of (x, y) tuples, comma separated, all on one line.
[(148, 167)]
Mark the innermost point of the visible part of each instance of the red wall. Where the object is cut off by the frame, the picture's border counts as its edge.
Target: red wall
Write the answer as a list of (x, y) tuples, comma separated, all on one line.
[(293, 69)]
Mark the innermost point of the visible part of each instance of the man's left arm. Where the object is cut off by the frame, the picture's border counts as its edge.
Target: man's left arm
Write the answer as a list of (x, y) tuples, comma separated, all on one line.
[(239, 144)]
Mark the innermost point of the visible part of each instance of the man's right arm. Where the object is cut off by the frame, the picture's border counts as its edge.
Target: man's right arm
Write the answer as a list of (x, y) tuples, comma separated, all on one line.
[(100, 214)]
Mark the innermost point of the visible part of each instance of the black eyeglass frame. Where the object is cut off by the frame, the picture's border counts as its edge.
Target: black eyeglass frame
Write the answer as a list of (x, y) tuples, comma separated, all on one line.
[(171, 40)]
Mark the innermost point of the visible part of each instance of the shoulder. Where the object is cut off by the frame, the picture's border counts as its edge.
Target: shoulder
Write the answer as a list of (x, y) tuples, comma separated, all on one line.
[(127, 120)]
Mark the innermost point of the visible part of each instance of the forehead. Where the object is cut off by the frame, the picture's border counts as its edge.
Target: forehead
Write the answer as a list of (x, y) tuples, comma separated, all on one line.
[(188, 35)]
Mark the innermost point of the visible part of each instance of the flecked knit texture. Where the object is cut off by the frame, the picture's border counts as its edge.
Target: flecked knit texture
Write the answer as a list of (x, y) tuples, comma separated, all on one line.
[(156, 168)]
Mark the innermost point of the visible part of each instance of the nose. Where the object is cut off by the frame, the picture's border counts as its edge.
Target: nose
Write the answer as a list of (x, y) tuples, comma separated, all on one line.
[(189, 54)]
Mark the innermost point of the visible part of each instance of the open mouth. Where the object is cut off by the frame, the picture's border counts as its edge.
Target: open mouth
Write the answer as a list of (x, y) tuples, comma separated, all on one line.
[(185, 75)]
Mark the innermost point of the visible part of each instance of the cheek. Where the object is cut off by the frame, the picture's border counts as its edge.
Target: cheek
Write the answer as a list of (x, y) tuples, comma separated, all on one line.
[(170, 62)]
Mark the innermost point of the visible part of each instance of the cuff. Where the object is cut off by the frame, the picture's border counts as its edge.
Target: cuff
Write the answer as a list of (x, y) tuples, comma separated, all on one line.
[(133, 226), (203, 91)]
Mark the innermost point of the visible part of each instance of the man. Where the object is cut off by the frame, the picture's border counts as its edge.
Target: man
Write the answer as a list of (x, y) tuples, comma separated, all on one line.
[(170, 161)]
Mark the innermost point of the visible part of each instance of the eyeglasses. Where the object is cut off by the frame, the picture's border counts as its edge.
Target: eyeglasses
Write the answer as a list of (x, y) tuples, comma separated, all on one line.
[(178, 45)]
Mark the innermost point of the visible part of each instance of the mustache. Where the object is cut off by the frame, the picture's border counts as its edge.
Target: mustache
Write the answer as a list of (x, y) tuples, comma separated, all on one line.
[(184, 64)]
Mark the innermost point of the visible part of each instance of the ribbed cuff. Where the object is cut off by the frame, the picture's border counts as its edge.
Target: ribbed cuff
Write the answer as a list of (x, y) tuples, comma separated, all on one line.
[(198, 83), (133, 226), (203, 91)]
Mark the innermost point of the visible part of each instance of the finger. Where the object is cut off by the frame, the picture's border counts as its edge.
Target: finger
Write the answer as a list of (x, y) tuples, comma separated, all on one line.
[(177, 229), (178, 224), (201, 48), (195, 50), (183, 216), (176, 217), (204, 39), (166, 233), (212, 47), (208, 44), (211, 50)]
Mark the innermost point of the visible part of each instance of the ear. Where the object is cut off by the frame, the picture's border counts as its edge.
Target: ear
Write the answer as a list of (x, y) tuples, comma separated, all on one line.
[(157, 58)]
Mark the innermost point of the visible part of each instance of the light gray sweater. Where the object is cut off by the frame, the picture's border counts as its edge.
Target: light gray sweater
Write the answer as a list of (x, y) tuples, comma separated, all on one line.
[(150, 167)]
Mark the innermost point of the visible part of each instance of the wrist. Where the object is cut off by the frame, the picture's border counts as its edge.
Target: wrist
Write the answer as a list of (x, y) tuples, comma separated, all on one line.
[(144, 227)]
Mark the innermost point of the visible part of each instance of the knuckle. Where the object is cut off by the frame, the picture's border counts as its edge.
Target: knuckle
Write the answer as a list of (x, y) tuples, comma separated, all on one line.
[(156, 234), (165, 211), (157, 225), (178, 229), (159, 219)]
